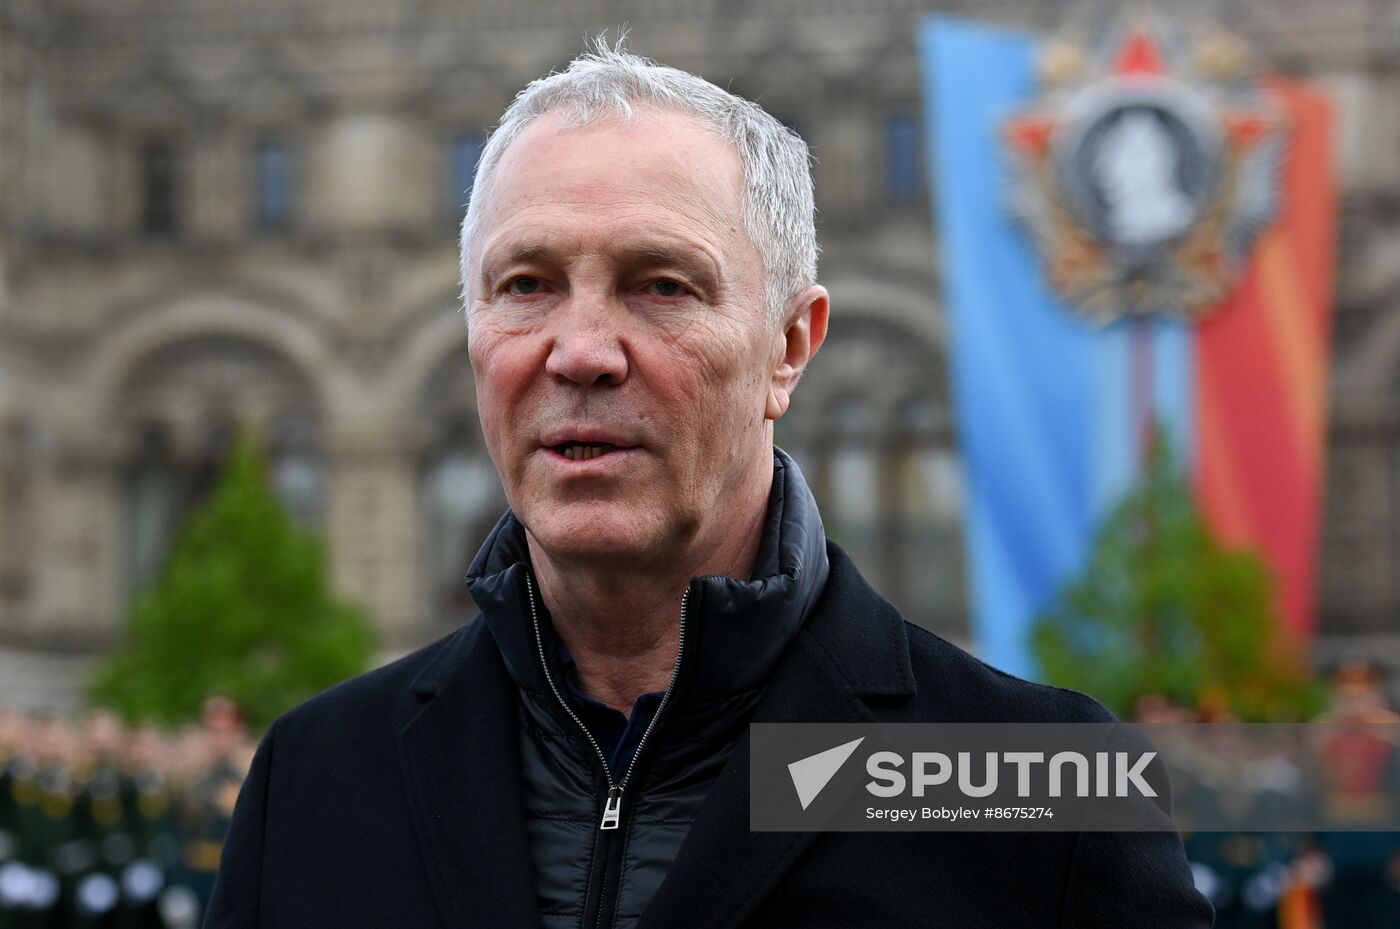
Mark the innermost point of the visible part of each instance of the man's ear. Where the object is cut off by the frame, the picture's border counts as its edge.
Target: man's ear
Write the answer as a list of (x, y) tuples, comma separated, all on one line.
[(804, 331)]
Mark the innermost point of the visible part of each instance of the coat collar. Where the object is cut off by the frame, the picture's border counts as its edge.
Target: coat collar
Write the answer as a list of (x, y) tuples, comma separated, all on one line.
[(462, 774), (462, 768), (860, 634), (735, 628), (853, 646)]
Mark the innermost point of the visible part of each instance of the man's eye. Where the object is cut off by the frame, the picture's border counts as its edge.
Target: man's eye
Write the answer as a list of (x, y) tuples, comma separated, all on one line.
[(523, 286), (665, 288)]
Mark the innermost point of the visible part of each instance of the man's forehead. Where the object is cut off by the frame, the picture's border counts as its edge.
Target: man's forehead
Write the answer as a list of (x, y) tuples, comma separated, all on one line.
[(650, 185), (680, 128), (668, 151)]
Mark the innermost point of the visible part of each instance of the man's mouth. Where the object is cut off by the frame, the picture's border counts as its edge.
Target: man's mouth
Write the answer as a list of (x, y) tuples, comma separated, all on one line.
[(583, 451)]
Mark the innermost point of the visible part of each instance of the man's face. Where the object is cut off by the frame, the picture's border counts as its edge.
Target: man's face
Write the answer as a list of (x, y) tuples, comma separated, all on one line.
[(621, 350)]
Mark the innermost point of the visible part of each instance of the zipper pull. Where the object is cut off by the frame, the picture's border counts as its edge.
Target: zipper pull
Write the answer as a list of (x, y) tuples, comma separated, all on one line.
[(612, 813)]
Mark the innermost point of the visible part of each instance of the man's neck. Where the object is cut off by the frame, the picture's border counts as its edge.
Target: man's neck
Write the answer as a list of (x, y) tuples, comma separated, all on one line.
[(622, 624)]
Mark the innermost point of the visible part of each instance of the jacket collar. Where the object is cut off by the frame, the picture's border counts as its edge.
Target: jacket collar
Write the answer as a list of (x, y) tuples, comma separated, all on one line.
[(463, 773), (735, 629), (854, 645)]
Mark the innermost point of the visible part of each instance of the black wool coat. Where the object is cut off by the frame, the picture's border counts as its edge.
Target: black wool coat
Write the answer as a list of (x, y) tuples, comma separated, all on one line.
[(393, 801)]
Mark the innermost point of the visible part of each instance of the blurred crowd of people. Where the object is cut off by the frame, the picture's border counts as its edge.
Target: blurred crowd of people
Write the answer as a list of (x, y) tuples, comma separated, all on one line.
[(1346, 879), (114, 827), (105, 825)]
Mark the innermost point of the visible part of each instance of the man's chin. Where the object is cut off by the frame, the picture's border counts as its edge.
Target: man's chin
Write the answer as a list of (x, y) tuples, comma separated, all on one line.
[(595, 534)]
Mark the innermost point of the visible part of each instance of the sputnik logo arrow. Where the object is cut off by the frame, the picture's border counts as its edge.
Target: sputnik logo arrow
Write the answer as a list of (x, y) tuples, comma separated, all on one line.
[(810, 775)]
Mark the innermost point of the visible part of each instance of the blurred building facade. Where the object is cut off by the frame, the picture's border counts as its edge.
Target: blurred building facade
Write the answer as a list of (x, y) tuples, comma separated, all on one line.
[(215, 212)]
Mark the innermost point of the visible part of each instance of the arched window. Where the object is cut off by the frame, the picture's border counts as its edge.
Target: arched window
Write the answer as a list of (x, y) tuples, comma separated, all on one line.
[(853, 484), (17, 468), (295, 467), (871, 429), (904, 168), (462, 499), (180, 412), (460, 494), (1359, 584), (158, 187), (272, 163), (152, 503), (928, 509), (463, 152)]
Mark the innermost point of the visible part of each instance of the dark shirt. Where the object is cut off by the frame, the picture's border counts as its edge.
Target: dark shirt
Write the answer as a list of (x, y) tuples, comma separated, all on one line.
[(618, 736)]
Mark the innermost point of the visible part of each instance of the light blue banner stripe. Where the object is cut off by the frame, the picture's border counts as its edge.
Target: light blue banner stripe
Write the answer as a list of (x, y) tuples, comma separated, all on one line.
[(1174, 385), (1025, 372), (1115, 455), (1118, 436)]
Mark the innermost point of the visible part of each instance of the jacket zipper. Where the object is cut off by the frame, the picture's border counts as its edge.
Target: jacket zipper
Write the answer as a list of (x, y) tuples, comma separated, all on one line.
[(612, 809)]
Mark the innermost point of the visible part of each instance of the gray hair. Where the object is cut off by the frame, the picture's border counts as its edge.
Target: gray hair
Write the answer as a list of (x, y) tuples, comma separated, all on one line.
[(604, 82)]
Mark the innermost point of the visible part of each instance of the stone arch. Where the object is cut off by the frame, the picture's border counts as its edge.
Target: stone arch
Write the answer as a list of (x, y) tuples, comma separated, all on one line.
[(191, 382), (164, 393), (209, 315), (900, 303), (457, 487), (874, 436), (777, 68), (876, 338), (1375, 365), (464, 83), (431, 338)]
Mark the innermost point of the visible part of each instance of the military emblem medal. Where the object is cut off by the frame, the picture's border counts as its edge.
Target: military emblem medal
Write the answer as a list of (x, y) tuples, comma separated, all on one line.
[(1146, 170)]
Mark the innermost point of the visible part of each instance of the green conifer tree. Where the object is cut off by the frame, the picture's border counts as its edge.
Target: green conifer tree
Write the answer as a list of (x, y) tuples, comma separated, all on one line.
[(242, 608), (1162, 608)]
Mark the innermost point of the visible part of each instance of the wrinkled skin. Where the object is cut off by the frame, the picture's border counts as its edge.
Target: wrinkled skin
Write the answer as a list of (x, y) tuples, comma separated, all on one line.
[(615, 295)]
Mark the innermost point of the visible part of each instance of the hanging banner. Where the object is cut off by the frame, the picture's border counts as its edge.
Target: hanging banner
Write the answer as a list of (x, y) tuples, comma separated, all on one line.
[(1136, 238)]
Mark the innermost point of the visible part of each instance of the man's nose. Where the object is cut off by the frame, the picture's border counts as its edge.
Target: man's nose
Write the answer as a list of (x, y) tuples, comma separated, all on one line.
[(587, 347)]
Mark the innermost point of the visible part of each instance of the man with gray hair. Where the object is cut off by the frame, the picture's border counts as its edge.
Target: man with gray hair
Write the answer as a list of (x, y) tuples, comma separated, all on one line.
[(639, 281)]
